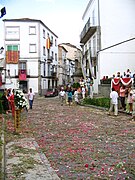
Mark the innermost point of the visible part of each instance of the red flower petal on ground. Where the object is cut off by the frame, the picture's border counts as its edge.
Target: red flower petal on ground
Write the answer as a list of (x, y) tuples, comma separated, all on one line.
[(86, 165), (92, 168)]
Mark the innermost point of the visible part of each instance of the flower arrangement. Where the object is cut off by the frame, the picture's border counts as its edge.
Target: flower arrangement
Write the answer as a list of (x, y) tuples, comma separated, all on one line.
[(20, 100)]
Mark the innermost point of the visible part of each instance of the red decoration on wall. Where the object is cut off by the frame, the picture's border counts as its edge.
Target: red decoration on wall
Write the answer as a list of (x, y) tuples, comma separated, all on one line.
[(22, 74), (12, 57), (125, 81)]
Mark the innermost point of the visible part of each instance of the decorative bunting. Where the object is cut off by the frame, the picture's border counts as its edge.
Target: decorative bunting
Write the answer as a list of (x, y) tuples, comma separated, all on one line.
[(12, 54)]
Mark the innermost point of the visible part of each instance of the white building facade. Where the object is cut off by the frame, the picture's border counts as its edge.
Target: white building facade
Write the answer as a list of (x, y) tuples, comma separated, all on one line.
[(108, 38), (73, 57), (31, 55), (62, 65)]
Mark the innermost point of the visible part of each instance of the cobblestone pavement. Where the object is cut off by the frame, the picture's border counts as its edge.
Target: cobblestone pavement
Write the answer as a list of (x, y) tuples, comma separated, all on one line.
[(70, 143)]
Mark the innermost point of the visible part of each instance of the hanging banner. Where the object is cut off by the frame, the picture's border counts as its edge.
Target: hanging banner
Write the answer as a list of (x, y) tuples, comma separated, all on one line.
[(22, 74), (124, 81), (12, 54), (48, 43)]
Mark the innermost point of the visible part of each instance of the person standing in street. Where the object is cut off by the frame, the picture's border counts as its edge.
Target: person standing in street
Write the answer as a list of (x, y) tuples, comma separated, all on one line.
[(76, 97), (12, 102), (62, 95), (91, 87), (114, 102), (70, 96), (122, 96), (31, 96), (83, 92)]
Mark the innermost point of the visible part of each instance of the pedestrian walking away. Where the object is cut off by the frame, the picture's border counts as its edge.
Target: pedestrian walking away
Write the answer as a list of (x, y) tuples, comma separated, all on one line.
[(70, 97), (114, 102), (31, 96)]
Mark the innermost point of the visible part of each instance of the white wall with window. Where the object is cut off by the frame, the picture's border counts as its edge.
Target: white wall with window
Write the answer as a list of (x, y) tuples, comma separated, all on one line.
[(30, 36)]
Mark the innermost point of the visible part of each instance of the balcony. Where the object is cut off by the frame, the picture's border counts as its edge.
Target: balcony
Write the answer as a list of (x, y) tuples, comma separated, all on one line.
[(22, 74), (87, 32), (51, 75), (49, 59)]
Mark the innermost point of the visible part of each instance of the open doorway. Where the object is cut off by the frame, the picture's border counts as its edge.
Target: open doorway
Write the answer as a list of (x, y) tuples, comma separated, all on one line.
[(23, 85)]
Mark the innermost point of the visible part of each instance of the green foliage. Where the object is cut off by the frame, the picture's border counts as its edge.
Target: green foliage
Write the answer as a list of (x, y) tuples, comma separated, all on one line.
[(102, 102), (76, 85)]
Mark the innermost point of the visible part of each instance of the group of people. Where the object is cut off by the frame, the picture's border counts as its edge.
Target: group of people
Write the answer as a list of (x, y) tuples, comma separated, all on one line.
[(127, 74), (8, 100), (69, 95), (127, 100), (86, 87)]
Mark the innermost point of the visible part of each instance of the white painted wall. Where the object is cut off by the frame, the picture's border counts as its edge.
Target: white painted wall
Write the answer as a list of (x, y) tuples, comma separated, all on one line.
[(119, 58), (117, 25), (117, 21)]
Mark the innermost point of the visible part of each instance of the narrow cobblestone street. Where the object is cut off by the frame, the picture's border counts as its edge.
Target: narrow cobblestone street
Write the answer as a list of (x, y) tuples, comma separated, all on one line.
[(75, 142)]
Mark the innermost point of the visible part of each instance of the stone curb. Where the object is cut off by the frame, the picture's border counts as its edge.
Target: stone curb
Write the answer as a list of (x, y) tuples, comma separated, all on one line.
[(42, 170)]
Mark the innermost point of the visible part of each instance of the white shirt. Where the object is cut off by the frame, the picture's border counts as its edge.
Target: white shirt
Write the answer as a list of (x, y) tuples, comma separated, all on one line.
[(62, 93), (114, 97), (83, 90), (31, 96)]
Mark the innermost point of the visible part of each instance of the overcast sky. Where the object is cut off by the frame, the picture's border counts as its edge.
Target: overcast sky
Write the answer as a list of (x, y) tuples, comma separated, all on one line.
[(63, 17)]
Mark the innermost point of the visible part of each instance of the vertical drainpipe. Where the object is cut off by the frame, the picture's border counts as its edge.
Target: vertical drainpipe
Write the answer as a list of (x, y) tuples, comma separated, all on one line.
[(39, 65)]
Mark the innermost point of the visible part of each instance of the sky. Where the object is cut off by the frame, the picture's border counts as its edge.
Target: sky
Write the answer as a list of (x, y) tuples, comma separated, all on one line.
[(63, 17)]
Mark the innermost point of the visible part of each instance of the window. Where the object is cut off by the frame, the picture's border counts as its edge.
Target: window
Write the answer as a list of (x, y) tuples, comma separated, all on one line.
[(55, 42), (48, 84), (13, 32), (94, 45), (85, 47), (47, 35), (44, 70), (52, 83), (90, 47), (51, 40), (22, 65), (52, 55), (32, 30), (32, 48), (49, 70), (44, 50), (43, 33), (93, 17), (55, 56), (95, 71)]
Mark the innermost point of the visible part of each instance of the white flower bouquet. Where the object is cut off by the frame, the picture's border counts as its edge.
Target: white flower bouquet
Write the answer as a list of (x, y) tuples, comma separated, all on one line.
[(20, 100)]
